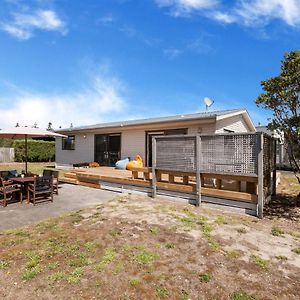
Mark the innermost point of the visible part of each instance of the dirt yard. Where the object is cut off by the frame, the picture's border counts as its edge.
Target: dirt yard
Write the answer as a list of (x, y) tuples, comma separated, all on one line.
[(135, 247)]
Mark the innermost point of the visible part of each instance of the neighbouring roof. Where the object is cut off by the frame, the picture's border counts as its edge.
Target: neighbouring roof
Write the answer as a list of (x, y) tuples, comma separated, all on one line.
[(184, 117)]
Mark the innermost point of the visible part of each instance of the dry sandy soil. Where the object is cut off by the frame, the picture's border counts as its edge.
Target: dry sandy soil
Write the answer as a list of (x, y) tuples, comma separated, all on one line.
[(135, 247)]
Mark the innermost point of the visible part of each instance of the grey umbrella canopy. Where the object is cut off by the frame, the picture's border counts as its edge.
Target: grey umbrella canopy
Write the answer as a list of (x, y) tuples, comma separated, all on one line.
[(25, 133)]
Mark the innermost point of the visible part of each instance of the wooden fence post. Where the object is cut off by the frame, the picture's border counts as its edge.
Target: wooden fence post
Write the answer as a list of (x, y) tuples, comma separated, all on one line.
[(198, 176), (260, 173), (154, 187)]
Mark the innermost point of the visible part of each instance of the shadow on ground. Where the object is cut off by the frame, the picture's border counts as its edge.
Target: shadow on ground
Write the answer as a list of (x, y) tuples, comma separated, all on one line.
[(284, 206)]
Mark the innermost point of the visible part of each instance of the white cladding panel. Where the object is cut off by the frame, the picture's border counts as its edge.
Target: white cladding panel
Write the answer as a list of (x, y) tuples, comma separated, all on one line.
[(133, 142), (84, 150)]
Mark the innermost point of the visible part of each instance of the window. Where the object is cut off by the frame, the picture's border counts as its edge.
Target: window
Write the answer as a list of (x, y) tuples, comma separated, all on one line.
[(68, 143)]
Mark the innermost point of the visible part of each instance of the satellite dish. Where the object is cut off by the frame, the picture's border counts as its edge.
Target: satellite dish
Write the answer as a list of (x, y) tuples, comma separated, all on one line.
[(208, 102)]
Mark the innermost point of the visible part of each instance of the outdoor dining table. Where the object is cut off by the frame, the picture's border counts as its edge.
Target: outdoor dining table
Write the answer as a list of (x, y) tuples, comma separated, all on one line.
[(24, 181)]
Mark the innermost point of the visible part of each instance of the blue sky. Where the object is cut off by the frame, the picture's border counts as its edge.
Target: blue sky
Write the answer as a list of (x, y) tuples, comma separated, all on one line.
[(104, 60)]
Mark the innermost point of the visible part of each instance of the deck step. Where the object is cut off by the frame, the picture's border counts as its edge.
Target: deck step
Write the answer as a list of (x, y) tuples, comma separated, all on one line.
[(70, 175), (89, 184), (67, 180)]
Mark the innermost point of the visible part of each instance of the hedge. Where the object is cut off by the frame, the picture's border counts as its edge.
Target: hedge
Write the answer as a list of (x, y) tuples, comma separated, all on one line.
[(37, 150)]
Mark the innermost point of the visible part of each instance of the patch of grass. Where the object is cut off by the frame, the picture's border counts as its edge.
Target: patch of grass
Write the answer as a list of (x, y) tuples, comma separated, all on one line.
[(91, 246), (233, 254), (154, 230), (170, 246), (76, 218), (276, 231), (115, 232), (162, 292), (58, 276), (34, 260), (134, 282), (81, 260), (281, 257), (204, 278), (75, 276), (200, 220), (206, 229), (118, 268), (143, 257), (53, 265), (17, 232), (241, 230), (31, 273), (3, 264), (220, 220), (187, 222), (213, 244), (241, 295), (260, 262), (184, 295), (296, 250), (47, 225), (109, 255)]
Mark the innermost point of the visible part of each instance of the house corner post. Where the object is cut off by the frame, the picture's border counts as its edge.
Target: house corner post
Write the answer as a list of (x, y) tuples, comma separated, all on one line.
[(198, 176), (260, 173), (154, 187)]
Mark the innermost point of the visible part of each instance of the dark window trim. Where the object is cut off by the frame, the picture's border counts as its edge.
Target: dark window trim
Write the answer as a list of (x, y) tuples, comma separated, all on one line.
[(63, 143)]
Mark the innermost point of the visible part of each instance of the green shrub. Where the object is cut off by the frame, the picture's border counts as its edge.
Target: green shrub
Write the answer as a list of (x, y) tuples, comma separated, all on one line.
[(37, 150)]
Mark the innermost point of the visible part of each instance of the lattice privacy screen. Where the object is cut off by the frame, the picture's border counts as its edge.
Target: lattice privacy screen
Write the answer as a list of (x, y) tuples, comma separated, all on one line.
[(176, 153), (236, 153), (229, 153)]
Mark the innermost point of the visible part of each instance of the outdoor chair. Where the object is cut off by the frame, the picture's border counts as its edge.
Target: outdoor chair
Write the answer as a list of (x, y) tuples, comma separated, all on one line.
[(8, 191), (42, 187), (49, 173)]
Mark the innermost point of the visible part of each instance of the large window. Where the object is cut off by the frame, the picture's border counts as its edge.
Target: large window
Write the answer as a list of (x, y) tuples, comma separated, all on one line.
[(68, 143)]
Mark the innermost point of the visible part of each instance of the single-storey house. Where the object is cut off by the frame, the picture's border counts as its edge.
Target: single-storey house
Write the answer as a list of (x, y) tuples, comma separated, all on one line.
[(108, 142)]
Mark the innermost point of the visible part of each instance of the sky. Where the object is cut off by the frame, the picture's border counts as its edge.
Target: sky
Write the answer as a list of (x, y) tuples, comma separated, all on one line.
[(94, 61)]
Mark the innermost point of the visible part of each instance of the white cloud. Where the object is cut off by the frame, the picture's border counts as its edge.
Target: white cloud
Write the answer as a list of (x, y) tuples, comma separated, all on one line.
[(263, 11), (96, 103), (172, 53), (250, 13), (185, 7), (23, 25)]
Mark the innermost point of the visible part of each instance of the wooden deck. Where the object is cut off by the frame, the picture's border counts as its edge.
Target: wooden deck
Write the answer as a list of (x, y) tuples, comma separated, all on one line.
[(232, 187)]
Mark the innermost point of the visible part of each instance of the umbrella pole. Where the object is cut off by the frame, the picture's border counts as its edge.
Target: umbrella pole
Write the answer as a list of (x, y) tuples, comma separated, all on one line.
[(25, 153)]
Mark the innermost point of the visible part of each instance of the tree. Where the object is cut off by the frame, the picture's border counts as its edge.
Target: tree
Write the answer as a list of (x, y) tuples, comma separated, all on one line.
[(50, 126), (282, 96)]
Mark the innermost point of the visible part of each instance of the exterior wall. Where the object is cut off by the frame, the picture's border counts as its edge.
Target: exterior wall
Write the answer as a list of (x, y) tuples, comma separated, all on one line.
[(235, 123), (84, 150), (202, 129), (133, 142)]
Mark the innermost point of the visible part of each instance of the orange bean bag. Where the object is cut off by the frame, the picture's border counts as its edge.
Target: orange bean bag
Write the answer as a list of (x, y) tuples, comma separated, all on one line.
[(136, 163)]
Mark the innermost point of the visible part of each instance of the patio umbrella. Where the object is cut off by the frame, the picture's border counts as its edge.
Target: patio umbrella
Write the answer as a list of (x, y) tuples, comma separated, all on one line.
[(27, 132)]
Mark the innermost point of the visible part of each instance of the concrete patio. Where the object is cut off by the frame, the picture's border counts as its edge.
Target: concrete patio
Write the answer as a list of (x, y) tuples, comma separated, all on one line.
[(70, 198)]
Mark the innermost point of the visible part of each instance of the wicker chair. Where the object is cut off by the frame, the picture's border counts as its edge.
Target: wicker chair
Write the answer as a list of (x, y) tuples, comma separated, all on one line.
[(53, 173), (8, 191), (42, 187)]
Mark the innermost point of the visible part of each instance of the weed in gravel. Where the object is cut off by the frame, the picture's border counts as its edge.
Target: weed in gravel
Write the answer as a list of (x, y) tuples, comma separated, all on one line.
[(233, 254), (184, 295), (241, 295), (118, 268), (276, 231), (260, 262), (91, 246), (3, 264), (162, 292), (206, 229), (154, 230), (220, 220), (205, 278), (134, 282), (241, 230), (144, 257), (170, 246), (53, 265), (31, 273), (281, 257), (17, 232), (75, 276), (115, 232), (58, 276), (296, 250), (109, 255)]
